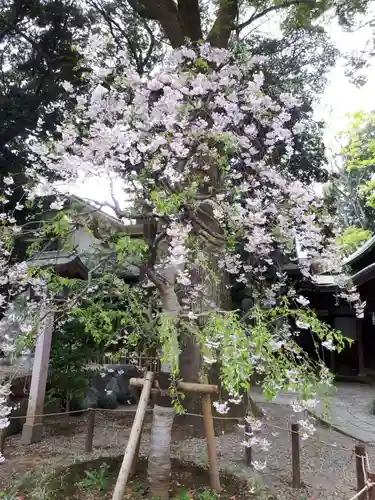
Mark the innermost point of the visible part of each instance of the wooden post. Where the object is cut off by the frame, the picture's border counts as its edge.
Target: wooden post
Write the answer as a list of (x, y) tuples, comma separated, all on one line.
[(3, 435), (90, 430), (133, 468), (296, 470), (371, 492), (360, 347), (33, 427), (247, 448), (360, 466), (211, 443), (134, 438)]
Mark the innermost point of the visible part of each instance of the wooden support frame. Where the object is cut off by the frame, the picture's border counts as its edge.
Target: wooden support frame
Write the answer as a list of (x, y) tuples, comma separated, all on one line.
[(211, 443), (183, 386), (132, 449), (134, 438)]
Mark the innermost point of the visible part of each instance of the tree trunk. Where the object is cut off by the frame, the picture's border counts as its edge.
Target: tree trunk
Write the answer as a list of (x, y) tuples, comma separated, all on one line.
[(159, 459)]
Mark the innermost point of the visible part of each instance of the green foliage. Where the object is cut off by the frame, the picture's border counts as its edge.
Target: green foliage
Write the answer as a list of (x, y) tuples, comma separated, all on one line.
[(9, 496), (42, 35), (168, 337), (351, 191), (45, 483), (116, 315), (95, 480), (71, 348), (184, 494), (352, 238), (239, 346), (128, 248), (201, 65), (207, 495), (360, 149)]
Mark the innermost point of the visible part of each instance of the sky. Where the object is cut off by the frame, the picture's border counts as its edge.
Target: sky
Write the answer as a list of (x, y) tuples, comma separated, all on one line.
[(340, 98)]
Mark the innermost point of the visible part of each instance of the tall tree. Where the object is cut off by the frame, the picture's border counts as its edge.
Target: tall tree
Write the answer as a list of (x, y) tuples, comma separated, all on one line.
[(350, 191), (38, 54), (191, 20)]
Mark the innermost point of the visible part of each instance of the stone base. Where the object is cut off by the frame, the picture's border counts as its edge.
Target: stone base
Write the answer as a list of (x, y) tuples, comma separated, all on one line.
[(32, 433)]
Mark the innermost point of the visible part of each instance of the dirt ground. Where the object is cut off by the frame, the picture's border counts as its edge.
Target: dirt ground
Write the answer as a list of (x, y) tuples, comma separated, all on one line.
[(327, 461)]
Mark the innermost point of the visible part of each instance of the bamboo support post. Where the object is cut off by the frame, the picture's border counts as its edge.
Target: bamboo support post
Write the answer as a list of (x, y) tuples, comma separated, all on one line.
[(184, 386), (90, 430), (133, 468), (134, 438), (211, 443), (296, 467), (360, 461)]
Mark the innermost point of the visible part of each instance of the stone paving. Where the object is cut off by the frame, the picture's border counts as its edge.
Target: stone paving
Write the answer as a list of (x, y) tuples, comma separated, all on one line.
[(348, 410)]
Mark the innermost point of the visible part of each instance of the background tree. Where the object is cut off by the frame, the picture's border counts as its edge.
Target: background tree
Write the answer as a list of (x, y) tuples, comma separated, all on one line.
[(39, 58), (350, 192), (38, 54)]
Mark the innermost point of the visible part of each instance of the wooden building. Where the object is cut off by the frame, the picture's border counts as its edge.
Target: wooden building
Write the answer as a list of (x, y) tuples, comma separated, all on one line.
[(357, 360)]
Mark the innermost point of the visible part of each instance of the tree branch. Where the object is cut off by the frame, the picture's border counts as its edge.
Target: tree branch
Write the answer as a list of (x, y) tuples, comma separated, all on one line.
[(274, 8), (151, 47), (206, 228), (164, 11), (121, 214)]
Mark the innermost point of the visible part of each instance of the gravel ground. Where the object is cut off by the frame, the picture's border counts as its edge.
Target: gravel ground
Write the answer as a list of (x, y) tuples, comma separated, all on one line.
[(327, 461)]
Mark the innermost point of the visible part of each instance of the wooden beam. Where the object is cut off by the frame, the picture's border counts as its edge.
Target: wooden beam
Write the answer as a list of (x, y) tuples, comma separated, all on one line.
[(183, 386)]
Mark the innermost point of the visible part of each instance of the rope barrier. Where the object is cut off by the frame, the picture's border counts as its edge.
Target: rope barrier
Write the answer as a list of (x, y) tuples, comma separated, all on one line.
[(198, 415), (119, 410), (363, 490), (214, 417), (48, 414), (338, 447), (364, 458)]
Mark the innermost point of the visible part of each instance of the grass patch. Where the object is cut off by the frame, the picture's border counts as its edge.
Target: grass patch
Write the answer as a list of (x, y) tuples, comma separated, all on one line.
[(96, 479)]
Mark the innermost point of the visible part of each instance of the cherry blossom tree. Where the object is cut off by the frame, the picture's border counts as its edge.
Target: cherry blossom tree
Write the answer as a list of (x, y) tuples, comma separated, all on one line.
[(184, 142)]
